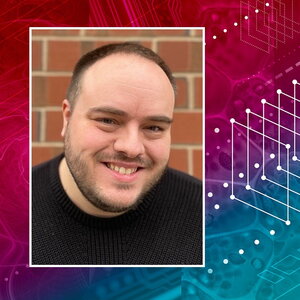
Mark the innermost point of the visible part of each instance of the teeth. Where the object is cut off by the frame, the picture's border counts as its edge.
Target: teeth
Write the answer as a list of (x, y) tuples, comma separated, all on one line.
[(121, 170)]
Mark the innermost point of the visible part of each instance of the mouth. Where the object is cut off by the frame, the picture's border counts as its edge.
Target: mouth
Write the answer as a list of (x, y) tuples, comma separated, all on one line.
[(122, 169)]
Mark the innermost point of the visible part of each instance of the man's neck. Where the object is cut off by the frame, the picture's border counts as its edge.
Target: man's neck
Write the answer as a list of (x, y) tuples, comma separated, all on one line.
[(76, 196)]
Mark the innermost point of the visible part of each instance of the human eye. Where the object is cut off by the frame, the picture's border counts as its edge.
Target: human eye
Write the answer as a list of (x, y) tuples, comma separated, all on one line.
[(107, 121), (155, 129)]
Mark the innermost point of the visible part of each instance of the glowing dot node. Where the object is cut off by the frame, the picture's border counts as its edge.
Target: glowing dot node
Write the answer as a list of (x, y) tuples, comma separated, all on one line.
[(225, 30), (272, 155), (263, 177), (232, 197), (217, 130), (217, 206), (248, 111), (267, 4), (214, 37), (241, 175), (279, 168), (263, 101), (241, 251), (210, 194), (248, 187), (246, 17), (294, 158), (235, 24), (225, 184), (256, 10), (256, 242), (210, 271), (225, 261), (232, 120), (272, 232), (288, 222), (279, 91), (256, 165), (287, 146), (294, 81)]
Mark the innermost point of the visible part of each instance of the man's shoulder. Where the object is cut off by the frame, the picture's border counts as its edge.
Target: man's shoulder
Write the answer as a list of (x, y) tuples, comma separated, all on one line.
[(47, 165), (183, 178)]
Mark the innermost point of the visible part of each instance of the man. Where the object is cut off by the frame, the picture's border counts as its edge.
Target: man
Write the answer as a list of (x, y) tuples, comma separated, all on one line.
[(110, 199)]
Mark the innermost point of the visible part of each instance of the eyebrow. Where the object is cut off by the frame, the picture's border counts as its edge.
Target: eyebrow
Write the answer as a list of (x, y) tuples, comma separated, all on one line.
[(118, 112)]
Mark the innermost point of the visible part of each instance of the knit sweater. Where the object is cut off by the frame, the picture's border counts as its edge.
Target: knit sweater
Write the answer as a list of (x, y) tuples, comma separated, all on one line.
[(164, 229)]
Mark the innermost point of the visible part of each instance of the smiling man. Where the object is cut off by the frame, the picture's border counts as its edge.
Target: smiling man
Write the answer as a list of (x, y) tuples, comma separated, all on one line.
[(110, 198)]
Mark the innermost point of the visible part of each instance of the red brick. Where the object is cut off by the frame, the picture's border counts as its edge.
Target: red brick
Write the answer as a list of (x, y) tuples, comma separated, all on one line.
[(147, 43), (179, 159), (36, 55), (54, 123), (55, 32), (197, 163), (182, 56), (49, 91), (56, 88), (198, 85), (41, 154), (38, 91), (182, 93), (34, 125), (63, 55), (187, 128), (175, 32)]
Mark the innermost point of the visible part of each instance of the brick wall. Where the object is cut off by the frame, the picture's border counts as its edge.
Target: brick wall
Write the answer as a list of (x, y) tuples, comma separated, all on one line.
[(54, 54)]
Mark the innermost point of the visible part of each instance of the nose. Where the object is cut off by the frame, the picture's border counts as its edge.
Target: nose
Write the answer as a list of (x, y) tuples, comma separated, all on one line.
[(129, 142)]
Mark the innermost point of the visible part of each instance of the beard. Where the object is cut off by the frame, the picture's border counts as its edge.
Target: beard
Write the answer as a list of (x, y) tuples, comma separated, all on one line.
[(93, 190)]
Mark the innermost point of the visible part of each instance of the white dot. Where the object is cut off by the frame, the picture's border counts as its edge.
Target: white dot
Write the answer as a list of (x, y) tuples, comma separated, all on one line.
[(279, 168), (225, 30), (228, 141), (210, 194), (263, 177), (241, 251), (288, 222), (263, 101), (294, 81), (256, 242), (217, 206), (232, 197), (218, 147), (5, 279), (239, 134), (207, 154), (225, 261), (246, 17), (294, 158), (256, 165), (267, 4), (217, 130), (272, 232), (214, 37), (235, 24), (241, 175), (210, 271), (272, 155), (248, 187), (248, 111), (256, 10), (287, 146), (232, 120), (279, 91), (225, 184)]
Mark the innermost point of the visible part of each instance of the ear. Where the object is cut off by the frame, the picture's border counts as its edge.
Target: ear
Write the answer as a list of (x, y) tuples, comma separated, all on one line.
[(66, 110)]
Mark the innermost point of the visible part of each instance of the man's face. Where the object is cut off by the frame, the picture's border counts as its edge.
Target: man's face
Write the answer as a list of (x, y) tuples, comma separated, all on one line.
[(117, 136)]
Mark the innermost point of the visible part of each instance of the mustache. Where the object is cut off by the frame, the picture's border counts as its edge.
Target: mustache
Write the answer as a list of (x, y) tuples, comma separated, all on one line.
[(120, 157)]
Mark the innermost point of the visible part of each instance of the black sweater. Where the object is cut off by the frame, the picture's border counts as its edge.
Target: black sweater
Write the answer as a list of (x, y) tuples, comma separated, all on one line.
[(166, 228)]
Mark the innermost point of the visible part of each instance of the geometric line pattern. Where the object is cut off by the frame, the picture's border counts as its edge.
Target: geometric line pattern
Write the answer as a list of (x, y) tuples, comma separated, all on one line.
[(267, 24), (271, 181)]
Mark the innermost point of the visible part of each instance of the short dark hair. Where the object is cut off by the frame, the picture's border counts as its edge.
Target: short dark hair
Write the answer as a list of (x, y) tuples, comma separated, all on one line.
[(93, 56)]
